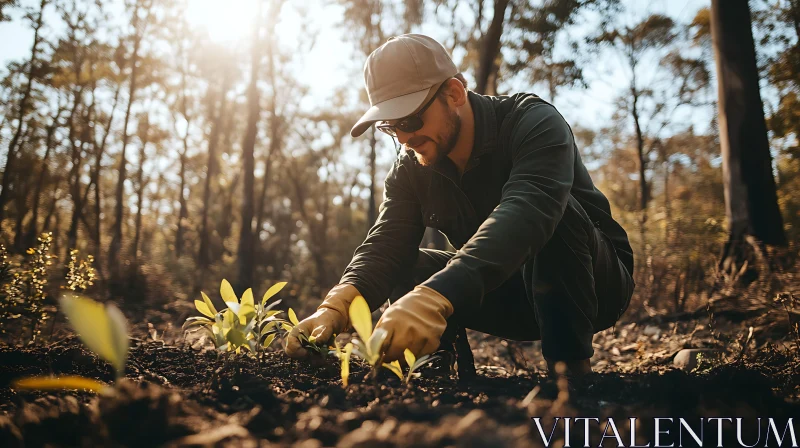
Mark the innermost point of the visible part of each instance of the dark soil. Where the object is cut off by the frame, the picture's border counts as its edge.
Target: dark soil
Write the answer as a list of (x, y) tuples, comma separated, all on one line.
[(178, 396)]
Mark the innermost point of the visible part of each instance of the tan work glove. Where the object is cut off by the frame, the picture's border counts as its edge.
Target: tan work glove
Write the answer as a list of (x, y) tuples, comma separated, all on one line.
[(331, 315), (416, 322)]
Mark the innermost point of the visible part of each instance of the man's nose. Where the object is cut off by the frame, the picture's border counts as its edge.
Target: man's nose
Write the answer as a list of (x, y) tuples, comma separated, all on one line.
[(403, 137)]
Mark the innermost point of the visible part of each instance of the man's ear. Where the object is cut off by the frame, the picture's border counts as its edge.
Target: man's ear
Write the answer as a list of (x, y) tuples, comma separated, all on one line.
[(456, 92)]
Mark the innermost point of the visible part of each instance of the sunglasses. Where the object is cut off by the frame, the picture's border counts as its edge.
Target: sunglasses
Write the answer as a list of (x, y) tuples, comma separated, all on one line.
[(411, 123)]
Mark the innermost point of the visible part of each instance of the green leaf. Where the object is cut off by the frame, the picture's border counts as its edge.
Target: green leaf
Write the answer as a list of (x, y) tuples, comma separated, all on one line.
[(208, 303), (269, 327), (197, 321), (228, 318), (236, 337), (394, 367), (247, 310), (361, 318), (248, 329), (234, 307), (268, 340), (410, 358), (375, 343), (203, 308), (274, 289), (226, 291), (293, 317), (102, 328)]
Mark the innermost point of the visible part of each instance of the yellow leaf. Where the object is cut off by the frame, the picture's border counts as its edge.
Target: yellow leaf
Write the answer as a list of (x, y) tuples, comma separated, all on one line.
[(247, 309), (236, 338), (59, 383), (293, 317), (102, 328), (286, 326), (274, 289), (345, 358), (228, 318), (394, 367), (268, 340), (361, 318), (226, 291), (203, 308), (208, 303), (410, 358)]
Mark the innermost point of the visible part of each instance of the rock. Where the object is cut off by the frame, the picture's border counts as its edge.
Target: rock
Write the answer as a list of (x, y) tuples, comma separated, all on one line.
[(651, 330), (686, 359)]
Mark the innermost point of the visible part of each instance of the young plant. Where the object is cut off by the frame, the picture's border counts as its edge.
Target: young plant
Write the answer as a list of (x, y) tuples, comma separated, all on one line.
[(311, 341), (368, 344), (80, 273), (244, 324), (343, 354), (103, 329), (415, 364)]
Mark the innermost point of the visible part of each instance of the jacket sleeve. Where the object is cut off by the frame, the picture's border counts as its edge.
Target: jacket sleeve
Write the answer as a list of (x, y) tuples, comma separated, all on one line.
[(531, 205), (391, 246)]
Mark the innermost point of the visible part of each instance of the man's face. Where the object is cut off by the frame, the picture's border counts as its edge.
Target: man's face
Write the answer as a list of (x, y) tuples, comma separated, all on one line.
[(438, 135)]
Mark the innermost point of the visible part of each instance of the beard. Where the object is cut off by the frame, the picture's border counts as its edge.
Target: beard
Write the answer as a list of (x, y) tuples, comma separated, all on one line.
[(442, 145)]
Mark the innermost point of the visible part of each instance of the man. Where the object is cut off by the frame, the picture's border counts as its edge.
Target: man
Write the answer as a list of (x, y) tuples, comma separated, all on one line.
[(539, 255)]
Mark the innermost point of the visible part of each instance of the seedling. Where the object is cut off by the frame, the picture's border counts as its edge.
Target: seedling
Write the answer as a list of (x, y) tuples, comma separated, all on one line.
[(413, 365), (344, 358), (244, 324), (103, 329), (368, 344), (312, 342)]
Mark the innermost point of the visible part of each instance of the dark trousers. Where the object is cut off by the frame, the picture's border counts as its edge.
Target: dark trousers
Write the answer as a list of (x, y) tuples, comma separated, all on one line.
[(572, 288)]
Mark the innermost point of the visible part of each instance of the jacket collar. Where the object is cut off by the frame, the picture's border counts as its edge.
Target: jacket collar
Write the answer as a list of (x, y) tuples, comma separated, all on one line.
[(485, 124)]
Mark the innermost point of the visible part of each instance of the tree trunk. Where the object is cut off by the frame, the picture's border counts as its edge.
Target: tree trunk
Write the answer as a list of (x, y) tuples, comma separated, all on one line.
[(246, 249), (51, 211), (30, 236), (21, 196), (119, 207), (275, 139), (751, 203), (204, 256), (182, 213), (486, 77), (141, 184), (155, 225), (667, 199), (23, 110), (74, 179), (98, 160)]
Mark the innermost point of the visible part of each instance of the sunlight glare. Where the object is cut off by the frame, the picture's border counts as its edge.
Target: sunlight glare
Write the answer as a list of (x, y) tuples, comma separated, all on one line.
[(225, 22)]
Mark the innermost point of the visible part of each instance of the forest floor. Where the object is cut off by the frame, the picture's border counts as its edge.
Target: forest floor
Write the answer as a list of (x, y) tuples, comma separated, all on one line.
[(179, 394)]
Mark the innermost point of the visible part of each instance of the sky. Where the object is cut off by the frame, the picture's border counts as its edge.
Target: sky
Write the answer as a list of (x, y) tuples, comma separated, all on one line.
[(333, 63)]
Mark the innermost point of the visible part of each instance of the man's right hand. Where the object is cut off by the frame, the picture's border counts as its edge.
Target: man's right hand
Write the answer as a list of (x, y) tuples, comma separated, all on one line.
[(331, 318)]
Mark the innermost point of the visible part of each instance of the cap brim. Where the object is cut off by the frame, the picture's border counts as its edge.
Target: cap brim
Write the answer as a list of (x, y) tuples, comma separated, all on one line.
[(392, 109)]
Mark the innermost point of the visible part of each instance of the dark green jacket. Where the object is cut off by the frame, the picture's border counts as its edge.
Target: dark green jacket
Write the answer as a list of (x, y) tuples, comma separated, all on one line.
[(523, 167)]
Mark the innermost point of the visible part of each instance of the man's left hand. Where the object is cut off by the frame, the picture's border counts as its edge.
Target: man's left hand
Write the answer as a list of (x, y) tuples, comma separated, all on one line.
[(416, 322)]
